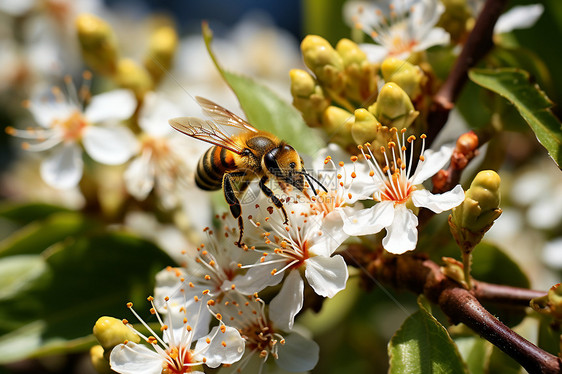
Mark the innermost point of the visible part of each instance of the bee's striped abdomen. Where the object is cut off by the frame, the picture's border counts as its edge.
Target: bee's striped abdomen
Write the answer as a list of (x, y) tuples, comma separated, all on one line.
[(211, 168)]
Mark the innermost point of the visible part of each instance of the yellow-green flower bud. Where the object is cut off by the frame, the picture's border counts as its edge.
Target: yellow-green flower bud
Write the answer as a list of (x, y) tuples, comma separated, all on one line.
[(134, 77), (551, 303), (161, 50), (98, 44), (455, 18), (359, 74), (365, 127), (393, 107), (337, 123), (409, 77), (111, 331), (308, 97), (324, 61), (470, 220), (99, 362)]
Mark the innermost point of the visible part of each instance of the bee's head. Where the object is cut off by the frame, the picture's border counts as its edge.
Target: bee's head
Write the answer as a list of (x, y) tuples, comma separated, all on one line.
[(286, 164)]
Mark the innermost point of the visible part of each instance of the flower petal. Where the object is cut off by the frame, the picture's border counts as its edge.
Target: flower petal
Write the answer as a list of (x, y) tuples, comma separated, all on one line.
[(225, 347), (402, 234), (326, 275), (435, 36), (288, 302), (154, 114), (434, 161), (134, 358), (109, 145), (375, 53), (519, 17), (439, 202), (139, 176), (332, 235), (368, 221), (257, 278), (63, 169), (116, 105), (298, 354)]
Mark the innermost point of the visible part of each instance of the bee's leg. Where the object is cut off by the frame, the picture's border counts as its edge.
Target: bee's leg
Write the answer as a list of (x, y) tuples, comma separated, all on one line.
[(232, 200), (267, 191)]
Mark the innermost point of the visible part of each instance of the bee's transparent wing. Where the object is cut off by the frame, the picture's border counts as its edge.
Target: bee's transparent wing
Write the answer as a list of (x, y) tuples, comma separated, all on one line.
[(223, 116), (206, 131)]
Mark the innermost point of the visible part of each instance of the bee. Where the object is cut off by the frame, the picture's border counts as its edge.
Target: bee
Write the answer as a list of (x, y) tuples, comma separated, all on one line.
[(235, 160)]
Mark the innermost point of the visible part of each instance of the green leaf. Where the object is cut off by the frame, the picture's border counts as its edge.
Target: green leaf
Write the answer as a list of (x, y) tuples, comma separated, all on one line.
[(265, 110), (491, 264), (474, 351), (501, 363), (18, 273), (88, 278), (423, 345), (38, 236), (532, 103), (27, 212)]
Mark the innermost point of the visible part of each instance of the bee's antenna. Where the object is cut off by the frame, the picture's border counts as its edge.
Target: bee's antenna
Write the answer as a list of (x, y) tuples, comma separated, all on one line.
[(310, 178)]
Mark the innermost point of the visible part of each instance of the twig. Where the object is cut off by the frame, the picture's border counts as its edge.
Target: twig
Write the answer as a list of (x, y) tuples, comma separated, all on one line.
[(421, 275), (505, 295), (477, 45)]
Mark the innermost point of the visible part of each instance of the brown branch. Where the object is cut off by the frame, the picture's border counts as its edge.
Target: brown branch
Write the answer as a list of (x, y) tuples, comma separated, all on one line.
[(506, 295), (421, 275), (477, 45)]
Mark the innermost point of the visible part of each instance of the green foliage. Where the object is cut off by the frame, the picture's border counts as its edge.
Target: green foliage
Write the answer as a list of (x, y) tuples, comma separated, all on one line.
[(266, 111), (423, 345), (532, 103), (61, 277), (28, 212)]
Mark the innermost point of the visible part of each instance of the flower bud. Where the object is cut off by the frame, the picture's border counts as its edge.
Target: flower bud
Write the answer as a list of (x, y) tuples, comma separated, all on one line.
[(393, 107), (134, 77), (470, 220), (409, 77), (337, 123), (162, 47), (324, 61), (551, 303), (365, 127), (98, 44), (308, 97), (99, 362), (359, 74), (455, 18), (110, 331)]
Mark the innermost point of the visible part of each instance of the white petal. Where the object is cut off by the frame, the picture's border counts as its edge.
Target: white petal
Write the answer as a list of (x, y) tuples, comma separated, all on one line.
[(439, 202), (518, 17), (46, 112), (326, 275), (139, 177), (332, 236), (154, 114), (375, 53), (225, 348), (288, 302), (63, 169), (257, 278), (434, 161), (298, 354), (435, 36), (116, 105), (109, 145), (368, 221), (362, 187), (402, 235), (135, 358)]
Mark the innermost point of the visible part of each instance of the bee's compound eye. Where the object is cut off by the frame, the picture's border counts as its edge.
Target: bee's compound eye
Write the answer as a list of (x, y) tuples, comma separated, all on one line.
[(270, 161)]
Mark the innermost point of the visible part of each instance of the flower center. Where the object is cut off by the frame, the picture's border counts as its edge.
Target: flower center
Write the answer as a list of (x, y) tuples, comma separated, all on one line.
[(72, 127), (158, 146), (176, 358), (397, 189)]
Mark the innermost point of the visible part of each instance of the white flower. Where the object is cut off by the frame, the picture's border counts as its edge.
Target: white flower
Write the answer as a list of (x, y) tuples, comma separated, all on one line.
[(173, 353), (303, 247), (518, 17), (249, 315), (393, 187), (166, 161), (65, 126), (400, 28)]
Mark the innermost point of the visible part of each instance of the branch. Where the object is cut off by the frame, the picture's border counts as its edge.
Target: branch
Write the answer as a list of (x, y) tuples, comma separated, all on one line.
[(418, 274), (477, 45), (501, 294)]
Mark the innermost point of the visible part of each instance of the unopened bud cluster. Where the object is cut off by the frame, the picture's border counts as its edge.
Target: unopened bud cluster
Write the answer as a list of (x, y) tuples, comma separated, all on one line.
[(100, 51), (551, 303), (342, 95)]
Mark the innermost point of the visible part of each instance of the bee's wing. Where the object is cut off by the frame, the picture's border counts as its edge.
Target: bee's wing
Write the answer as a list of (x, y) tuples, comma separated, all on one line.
[(223, 116), (206, 131)]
